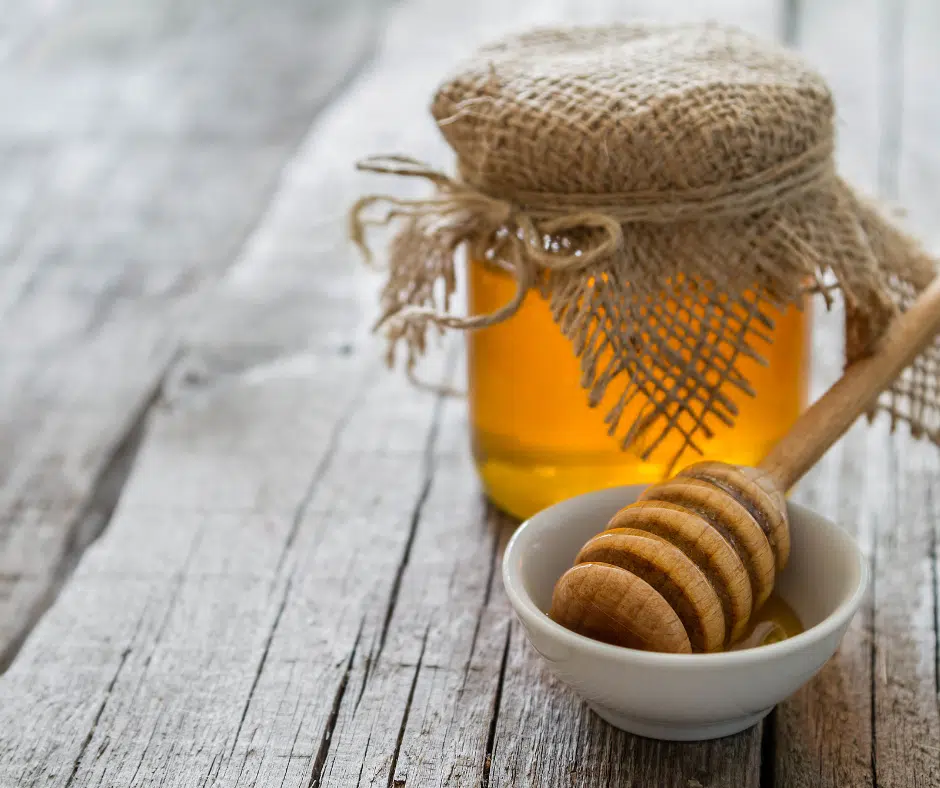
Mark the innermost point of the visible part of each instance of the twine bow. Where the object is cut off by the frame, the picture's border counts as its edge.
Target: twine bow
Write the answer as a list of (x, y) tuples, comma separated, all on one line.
[(518, 240), (530, 232)]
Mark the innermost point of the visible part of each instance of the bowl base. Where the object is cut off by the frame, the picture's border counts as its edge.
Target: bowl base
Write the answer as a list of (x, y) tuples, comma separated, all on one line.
[(678, 732)]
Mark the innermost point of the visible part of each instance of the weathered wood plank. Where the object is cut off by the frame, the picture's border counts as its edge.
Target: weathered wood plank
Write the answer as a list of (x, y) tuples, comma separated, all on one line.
[(871, 715), (135, 710), (204, 585), (906, 732), (139, 144), (425, 690), (905, 676)]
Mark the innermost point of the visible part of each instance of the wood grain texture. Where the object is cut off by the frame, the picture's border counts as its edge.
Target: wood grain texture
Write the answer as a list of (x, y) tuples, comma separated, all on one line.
[(138, 143), (268, 514), (870, 716), (905, 665)]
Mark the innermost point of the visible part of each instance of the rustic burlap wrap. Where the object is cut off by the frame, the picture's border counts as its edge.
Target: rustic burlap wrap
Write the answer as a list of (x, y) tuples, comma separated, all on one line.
[(660, 185)]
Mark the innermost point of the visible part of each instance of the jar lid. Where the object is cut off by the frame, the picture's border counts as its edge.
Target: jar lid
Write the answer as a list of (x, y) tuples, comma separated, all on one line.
[(630, 108)]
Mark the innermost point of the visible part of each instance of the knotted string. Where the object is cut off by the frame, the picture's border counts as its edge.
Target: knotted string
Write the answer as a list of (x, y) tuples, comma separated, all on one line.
[(518, 228)]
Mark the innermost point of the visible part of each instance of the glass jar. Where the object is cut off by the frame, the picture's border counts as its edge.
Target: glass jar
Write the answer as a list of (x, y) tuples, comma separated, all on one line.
[(535, 439)]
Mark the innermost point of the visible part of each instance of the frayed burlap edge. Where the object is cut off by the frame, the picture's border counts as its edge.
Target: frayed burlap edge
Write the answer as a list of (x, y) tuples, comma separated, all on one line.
[(661, 300)]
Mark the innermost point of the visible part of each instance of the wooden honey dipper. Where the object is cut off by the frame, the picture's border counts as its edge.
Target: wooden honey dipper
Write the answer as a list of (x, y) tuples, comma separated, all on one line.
[(685, 567)]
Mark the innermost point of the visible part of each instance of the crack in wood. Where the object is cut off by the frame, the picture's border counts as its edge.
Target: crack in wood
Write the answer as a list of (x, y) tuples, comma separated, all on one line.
[(429, 464), (299, 513), (768, 751), (487, 594), (216, 760), (143, 754), (170, 608), (94, 517), (363, 765), (104, 702), (293, 746), (282, 605), (497, 700), (321, 468), (365, 680), (158, 637), (406, 552), (318, 764), (407, 712)]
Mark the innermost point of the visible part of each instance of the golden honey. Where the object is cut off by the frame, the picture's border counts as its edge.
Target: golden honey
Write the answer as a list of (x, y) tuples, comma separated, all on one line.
[(775, 621), (535, 439)]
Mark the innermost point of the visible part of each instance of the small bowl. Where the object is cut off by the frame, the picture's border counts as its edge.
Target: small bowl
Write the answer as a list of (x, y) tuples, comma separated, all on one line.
[(684, 697)]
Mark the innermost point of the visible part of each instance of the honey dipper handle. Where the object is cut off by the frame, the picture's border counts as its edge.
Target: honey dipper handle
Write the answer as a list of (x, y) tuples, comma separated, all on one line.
[(855, 392)]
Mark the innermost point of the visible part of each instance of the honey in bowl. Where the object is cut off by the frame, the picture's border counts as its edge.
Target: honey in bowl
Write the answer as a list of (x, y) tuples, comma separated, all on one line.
[(774, 622), (537, 442)]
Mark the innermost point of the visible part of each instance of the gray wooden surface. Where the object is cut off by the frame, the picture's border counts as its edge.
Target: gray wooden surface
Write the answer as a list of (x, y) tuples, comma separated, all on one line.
[(296, 580), (139, 145)]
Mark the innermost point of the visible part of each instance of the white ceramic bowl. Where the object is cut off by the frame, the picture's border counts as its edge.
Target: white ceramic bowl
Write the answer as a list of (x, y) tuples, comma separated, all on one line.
[(684, 697)]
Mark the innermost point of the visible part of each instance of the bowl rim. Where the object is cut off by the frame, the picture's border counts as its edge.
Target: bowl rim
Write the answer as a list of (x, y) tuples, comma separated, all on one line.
[(531, 614)]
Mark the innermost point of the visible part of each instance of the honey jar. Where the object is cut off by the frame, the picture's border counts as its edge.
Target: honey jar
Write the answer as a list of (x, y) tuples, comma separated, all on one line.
[(535, 439), (644, 209)]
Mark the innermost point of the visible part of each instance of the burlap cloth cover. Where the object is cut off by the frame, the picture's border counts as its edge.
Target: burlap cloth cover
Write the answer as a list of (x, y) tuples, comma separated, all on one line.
[(661, 185)]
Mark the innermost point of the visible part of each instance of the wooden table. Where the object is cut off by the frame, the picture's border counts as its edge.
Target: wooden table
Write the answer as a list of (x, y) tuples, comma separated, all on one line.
[(296, 579)]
